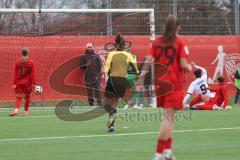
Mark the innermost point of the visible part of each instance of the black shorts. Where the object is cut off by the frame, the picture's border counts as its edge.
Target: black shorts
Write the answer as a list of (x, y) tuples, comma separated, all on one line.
[(116, 87)]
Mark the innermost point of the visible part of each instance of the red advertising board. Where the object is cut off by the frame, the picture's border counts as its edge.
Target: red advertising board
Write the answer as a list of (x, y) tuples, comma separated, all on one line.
[(218, 54)]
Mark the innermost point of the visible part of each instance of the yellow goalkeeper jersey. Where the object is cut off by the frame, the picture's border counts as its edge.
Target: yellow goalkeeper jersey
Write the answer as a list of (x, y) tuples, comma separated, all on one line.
[(117, 63)]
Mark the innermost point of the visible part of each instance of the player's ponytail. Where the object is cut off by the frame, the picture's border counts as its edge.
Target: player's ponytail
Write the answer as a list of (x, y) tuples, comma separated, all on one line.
[(170, 32), (120, 42)]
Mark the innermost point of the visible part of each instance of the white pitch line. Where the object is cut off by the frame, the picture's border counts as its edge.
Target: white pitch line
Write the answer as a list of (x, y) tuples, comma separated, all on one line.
[(114, 135), (46, 116), (207, 129), (3, 110), (122, 113), (28, 117)]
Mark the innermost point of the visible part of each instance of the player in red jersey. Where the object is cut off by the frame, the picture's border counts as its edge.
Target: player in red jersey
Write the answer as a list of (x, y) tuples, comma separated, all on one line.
[(220, 101), (169, 50), (24, 80)]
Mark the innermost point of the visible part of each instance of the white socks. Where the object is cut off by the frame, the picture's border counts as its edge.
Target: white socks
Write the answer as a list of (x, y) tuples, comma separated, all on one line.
[(158, 156), (167, 153)]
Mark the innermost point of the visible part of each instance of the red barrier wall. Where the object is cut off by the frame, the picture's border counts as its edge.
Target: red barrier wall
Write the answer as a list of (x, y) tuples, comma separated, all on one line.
[(50, 52)]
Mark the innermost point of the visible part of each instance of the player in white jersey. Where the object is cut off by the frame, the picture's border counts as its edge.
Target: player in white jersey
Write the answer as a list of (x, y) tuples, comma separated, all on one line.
[(198, 87)]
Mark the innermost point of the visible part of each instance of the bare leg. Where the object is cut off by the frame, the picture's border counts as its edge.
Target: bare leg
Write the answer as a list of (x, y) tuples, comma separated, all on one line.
[(167, 124)]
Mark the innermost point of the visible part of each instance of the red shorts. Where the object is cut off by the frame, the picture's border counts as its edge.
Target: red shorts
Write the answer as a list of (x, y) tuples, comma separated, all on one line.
[(23, 89), (171, 100)]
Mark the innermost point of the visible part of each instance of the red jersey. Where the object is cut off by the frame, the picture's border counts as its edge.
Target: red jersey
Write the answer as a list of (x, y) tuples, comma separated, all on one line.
[(170, 57), (24, 73), (221, 98)]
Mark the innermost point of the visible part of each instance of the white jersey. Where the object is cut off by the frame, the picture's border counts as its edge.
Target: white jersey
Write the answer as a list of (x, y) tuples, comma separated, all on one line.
[(198, 86)]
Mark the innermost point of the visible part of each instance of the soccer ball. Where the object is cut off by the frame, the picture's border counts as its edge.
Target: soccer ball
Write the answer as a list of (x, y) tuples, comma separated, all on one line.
[(38, 89)]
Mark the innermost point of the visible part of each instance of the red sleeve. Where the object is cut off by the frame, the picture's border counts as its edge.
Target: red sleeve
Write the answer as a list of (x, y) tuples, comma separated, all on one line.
[(15, 74), (33, 74), (182, 49), (213, 90)]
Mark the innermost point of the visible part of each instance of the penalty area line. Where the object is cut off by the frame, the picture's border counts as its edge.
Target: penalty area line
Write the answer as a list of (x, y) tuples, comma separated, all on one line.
[(115, 135)]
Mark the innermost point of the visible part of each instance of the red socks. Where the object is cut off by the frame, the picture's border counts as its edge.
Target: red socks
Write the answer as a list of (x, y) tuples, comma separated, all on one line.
[(160, 146), (27, 103), (18, 101), (168, 144), (163, 144)]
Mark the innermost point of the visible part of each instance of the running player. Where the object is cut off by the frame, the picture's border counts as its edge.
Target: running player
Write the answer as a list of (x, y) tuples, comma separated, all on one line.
[(24, 80), (169, 50), (220, 101), (116, 67), (198, 87)]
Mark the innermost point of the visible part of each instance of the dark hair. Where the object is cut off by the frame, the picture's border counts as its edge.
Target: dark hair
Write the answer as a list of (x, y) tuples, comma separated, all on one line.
[(120, 42), (24, 52), (169, 33), (221, 79), (197, 73)]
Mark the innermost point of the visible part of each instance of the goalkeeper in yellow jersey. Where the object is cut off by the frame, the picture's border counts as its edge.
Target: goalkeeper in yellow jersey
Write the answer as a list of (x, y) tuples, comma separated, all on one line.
[(116, 67)]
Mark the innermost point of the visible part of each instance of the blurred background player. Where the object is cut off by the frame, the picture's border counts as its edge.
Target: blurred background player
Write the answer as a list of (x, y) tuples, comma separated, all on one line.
[(146, 87), (237, 84), (91, 64), (116, 67), (169, 51), (24, 80), (198, 87), (220, 101), (131, 77)]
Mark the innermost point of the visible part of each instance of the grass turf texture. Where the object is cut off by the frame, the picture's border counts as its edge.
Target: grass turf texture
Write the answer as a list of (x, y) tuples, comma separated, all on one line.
[(74, 144)]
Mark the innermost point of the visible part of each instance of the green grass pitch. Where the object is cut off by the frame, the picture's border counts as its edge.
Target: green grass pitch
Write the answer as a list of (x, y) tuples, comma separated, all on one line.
[(198, 135)]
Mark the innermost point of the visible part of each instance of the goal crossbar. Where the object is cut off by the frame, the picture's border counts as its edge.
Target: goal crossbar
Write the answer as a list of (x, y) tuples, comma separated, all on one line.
[(22, 10), (150, 11)]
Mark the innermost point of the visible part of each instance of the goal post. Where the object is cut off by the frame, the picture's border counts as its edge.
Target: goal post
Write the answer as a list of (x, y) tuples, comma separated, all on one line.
[(18, 41)]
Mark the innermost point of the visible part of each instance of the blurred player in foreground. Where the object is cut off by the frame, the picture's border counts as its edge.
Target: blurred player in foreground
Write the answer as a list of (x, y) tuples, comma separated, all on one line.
[(116, 67), (220, 101), (198, 87), (169, 50), (24, 80)]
